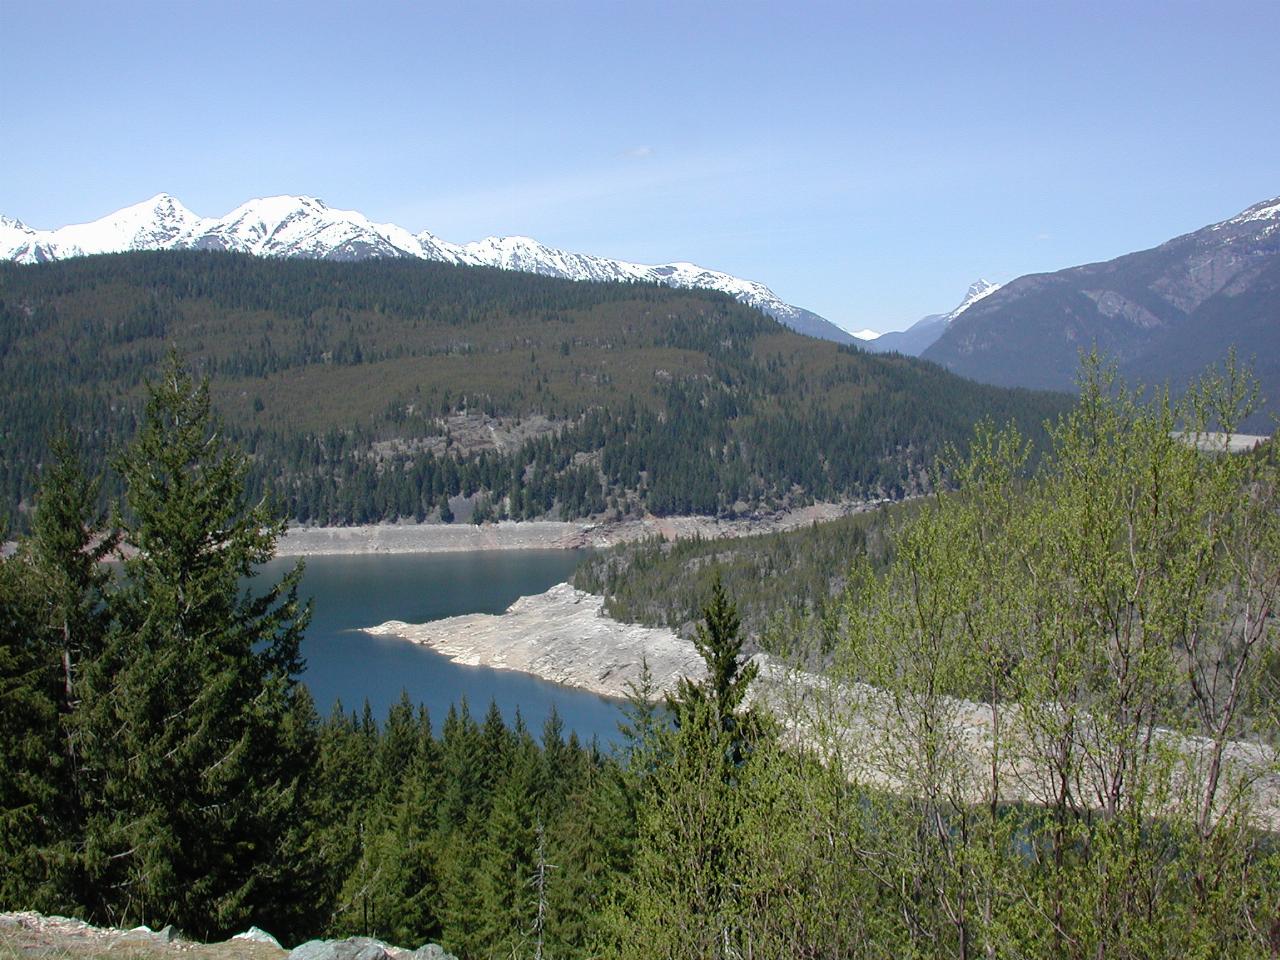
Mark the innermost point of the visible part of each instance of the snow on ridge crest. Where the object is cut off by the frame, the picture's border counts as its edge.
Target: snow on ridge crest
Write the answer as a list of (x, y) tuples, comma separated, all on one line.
[(1266, 210), (302, 226), (978, 290)]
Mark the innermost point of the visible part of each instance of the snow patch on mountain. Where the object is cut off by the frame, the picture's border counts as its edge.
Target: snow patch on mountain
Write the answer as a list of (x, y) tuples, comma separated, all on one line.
[(978, 290), (867, 334), (1266, 210)]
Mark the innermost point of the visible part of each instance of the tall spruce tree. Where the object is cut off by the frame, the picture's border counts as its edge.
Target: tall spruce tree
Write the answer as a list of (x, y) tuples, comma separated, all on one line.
[(54, 622), (198, 763), (683, 895), (29, 718), (71, 536), (720, 696)]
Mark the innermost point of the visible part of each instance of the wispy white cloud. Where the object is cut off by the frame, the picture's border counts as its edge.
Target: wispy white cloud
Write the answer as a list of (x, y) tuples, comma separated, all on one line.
[(639, 152)]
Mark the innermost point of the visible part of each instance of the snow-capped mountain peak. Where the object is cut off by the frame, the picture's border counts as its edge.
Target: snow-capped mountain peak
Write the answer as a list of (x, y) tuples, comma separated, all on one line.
[(299, 226), (867, 334), (302, 226), (16, 240), (151, 224), (977, 290)]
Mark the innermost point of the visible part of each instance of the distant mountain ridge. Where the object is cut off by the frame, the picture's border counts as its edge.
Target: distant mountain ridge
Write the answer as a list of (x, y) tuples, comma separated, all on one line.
[(1162, 315), (920, 335), (293, 226)]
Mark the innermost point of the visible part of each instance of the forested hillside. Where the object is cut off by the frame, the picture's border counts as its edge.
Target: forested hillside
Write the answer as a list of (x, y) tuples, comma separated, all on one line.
[(1107, 616), (389, 389), (787, 584)]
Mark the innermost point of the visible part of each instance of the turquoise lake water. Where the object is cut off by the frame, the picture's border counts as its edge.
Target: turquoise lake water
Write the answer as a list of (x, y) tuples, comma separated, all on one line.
[(358, 591)]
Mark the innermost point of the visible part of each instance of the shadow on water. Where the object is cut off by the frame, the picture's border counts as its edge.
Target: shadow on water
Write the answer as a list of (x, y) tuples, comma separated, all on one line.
[(345, 664)]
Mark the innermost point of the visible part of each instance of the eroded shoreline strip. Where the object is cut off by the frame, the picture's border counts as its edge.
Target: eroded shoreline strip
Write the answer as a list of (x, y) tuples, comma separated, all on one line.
[(396, 538), (562, 635)]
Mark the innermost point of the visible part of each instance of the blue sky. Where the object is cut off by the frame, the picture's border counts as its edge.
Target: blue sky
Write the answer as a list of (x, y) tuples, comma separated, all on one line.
[(865, 160)]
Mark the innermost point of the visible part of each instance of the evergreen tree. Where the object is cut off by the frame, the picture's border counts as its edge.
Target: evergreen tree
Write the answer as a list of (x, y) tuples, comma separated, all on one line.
[(30, 744), (507, 852), (683, 897), (69, 540), (719, 697), (413, 885), (197, 777), (55, 622)]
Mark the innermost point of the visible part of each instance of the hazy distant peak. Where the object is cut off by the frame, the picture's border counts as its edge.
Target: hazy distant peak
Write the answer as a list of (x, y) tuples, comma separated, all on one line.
[(921, 335), (1161, 314)]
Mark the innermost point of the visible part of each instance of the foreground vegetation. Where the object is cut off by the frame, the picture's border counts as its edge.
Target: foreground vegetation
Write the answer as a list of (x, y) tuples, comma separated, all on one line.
[(396, 389), (161, 762)]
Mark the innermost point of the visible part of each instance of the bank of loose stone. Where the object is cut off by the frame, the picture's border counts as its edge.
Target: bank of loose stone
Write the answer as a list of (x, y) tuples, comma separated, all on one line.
[(562, 635)]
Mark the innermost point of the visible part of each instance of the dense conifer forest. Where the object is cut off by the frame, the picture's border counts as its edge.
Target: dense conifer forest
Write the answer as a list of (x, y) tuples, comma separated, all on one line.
[(393, 389), (1109, 613)]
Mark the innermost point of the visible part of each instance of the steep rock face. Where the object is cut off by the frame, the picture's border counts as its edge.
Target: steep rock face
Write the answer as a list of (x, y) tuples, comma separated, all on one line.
[(1161, 314), (289, 226), (924, 332)]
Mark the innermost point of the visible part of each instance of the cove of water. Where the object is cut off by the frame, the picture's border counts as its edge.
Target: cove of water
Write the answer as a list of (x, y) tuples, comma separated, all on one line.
[(344, 664)]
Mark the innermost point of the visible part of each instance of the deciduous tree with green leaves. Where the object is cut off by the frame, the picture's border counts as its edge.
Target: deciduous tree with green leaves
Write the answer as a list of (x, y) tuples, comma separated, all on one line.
[(1073, 699)]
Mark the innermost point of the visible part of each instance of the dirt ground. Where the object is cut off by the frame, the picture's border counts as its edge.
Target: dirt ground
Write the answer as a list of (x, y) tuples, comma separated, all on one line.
[(24, 935)]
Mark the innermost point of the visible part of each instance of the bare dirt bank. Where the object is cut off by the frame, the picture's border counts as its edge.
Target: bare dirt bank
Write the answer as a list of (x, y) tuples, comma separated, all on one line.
[(384, 538), (562, 635), (429, 538)]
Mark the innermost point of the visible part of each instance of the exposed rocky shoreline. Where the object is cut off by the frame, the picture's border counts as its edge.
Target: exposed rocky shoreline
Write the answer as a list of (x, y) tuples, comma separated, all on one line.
[(562, 635), (384, 538)]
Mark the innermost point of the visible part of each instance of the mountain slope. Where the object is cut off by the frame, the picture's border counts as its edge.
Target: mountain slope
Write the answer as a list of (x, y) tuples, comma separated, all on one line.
[(288, 226), (921, 335), (1162, 314), (394, 387)]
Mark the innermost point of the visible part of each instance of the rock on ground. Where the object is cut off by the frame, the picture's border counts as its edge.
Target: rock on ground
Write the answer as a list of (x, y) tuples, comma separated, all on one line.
[(30, 934), (365, 948), (257, 935)]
